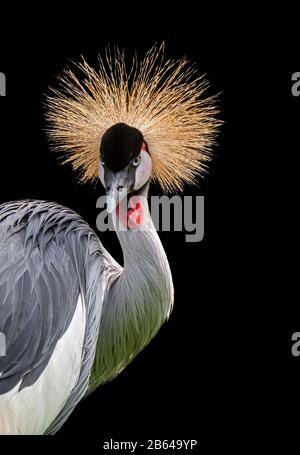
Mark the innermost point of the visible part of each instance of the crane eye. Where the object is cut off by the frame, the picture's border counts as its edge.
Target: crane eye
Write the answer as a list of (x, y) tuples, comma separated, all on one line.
[(136, 161)]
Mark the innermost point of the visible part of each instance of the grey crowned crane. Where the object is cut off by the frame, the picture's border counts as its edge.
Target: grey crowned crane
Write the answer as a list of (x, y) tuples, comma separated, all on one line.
[(71, 316)]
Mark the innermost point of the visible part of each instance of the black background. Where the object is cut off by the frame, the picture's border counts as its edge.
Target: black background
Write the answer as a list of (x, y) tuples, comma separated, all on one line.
[(222, 366)]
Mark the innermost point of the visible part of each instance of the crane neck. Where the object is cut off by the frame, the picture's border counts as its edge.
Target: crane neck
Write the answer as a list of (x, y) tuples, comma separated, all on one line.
[(139, 297), (141, 245)]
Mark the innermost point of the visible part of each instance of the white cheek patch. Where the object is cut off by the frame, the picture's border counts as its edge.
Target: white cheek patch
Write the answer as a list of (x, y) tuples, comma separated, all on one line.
[(101, 174), (143, 171)]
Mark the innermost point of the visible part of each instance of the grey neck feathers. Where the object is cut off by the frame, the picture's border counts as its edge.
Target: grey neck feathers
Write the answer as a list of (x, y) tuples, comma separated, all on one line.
[(138, 300)]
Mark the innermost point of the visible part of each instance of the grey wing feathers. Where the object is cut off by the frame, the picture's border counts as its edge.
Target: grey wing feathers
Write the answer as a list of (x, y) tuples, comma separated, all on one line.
[(48, 256)]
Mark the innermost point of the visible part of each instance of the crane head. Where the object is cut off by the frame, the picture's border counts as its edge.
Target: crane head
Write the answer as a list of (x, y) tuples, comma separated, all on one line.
[(121, 105), (125, 163)]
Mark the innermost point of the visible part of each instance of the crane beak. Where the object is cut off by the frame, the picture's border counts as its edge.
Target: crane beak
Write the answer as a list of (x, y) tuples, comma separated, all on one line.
[(114, 195)]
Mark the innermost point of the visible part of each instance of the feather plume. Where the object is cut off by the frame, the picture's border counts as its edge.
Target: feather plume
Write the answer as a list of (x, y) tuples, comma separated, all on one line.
[(163, 98)]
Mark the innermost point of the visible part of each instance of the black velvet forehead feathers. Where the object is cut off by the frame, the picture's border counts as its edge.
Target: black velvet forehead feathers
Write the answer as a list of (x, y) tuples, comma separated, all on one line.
[(120, 144)]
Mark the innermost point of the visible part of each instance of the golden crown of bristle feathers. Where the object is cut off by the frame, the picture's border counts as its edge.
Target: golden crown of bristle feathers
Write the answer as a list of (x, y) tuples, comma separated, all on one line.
[(162, 98)]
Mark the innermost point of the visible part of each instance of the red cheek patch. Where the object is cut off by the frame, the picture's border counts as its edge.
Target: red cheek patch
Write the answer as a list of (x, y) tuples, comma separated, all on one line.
[(133, 217), (135, 214)]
